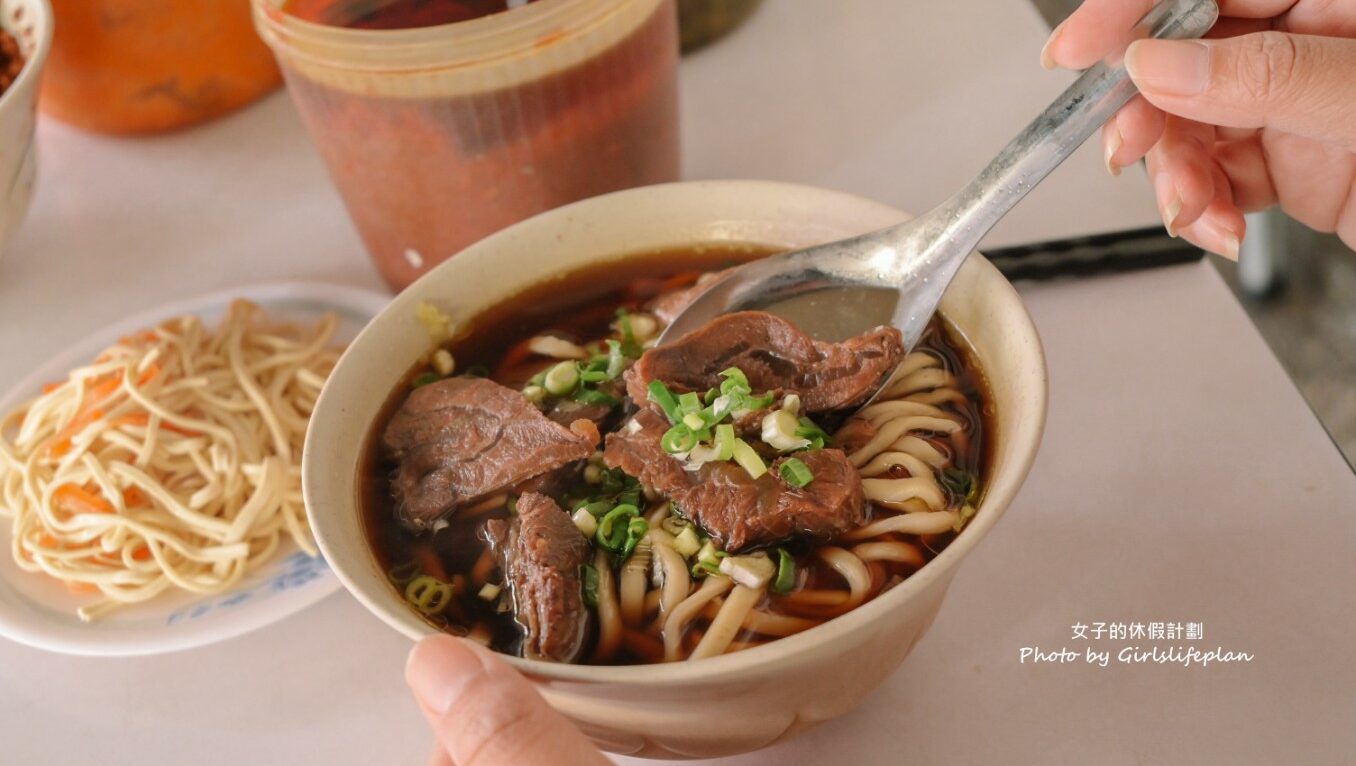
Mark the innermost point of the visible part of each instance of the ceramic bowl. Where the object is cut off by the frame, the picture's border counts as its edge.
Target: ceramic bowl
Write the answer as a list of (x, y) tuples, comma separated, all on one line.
[(741, 701), (30, 22)]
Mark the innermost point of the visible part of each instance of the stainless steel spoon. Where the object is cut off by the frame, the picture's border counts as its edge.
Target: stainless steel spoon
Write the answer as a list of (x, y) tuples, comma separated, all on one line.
[(897, 275)]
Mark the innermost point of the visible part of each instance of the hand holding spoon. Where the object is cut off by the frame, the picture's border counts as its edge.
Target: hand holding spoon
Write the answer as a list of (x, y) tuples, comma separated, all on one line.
[(897, 275)]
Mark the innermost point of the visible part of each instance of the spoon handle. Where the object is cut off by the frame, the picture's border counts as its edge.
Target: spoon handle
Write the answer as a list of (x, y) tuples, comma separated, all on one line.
[(1079, 112), (930, 249)]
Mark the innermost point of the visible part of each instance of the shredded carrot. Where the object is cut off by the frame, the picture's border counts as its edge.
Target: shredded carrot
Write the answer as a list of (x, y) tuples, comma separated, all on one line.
[(133, 497), (73, 499), (82, 588), (141, 554), (48, 388), (47, 541)]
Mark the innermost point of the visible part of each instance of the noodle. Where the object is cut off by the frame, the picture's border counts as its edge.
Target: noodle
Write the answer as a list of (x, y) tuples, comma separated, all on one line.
[(172, 461)]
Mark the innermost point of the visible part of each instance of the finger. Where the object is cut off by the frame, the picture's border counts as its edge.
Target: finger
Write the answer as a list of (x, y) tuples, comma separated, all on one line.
[(1097, 28), (1232, 27), (1129, 135), (1295, 83), (486, 714), (439, 756), (1219, 229), (1246, 167), (1180, 169)]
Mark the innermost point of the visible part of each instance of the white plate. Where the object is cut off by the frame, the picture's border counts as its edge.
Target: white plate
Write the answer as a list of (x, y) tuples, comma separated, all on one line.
[(38, 610)]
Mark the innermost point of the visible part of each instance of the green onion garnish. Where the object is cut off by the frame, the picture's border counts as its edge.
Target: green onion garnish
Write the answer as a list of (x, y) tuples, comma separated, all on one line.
[(786, 572), (425, 378), (588, 578), (725, 441), (748, 459), (592, 396), (795, 472), (616, 360), (680, 438), (689, 403), (819, 439), (734, 379), (662, 396), (611, 532)]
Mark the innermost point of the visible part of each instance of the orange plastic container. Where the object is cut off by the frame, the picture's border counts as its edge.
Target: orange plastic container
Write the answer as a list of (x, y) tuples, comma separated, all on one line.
[(143, 66)]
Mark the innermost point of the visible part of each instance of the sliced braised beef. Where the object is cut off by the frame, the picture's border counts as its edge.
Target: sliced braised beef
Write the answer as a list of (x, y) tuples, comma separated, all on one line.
[(773, 355), (463, 438), (740, 511), (540, 552)]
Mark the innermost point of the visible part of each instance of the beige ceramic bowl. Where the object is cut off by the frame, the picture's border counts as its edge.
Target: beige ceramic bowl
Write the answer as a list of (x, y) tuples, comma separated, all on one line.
[(30, 22), (741, 701)]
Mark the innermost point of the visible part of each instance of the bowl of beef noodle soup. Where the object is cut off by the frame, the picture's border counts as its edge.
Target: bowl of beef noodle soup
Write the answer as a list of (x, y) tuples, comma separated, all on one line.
[(661, 536)]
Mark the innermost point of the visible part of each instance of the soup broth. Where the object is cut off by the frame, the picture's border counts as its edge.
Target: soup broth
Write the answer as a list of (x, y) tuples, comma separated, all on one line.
[(582, 307)]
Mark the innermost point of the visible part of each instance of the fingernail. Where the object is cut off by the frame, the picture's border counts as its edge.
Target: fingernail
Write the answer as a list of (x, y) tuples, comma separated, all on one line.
[(1170, 213), (1231, 245), (1170, 67), (439, 668), (1048, 61), (1113, 145)]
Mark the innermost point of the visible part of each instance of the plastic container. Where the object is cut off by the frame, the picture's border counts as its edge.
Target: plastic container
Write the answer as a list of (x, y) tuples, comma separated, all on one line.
[(144, 66), (438, 136)]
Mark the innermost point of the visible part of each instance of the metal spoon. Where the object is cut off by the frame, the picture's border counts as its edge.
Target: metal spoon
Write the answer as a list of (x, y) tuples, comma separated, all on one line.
[(897, 275)]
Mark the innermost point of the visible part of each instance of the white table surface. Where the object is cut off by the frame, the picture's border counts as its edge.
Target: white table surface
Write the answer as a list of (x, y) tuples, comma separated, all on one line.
[(1182, 477)]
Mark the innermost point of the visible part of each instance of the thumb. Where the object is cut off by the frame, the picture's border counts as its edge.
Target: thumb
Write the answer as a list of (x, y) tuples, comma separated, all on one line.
[(486, 714), (1299, 84)]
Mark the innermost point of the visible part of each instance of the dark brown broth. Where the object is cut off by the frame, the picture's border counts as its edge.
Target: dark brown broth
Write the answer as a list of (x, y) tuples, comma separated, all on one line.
[(581, 305)]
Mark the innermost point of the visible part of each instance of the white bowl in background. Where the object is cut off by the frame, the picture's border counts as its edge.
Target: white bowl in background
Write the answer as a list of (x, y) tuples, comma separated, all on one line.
[(30, 22), (740, 701)]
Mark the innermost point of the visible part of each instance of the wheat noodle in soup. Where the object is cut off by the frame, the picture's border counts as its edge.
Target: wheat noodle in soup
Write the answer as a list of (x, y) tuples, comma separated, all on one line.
[(549, 483)]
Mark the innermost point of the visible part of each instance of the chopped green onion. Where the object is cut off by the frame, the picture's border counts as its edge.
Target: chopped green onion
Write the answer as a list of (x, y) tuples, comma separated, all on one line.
[(680, 438), (616, 360), (585, 522), (425, 378), (621, 539), (443, 363), (404, 572), (428, 594), (590, 396), (961, 483), (694, 421), (588, 579), (817, 437), (734, 379), (489, 592), (538, 379), (779, 430), (598, 508), (635, 532), (967, 512), (749, 460), (477, 371), (753, 570), (725, 441), (686, 542), (593, 376), (708, 560), (662, 396), (535, 394), (689, 402), (786, 572), (795, 472), (561, 378)]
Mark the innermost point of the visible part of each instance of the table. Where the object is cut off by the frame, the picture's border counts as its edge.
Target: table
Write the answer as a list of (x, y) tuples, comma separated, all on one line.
[(1182, 476)]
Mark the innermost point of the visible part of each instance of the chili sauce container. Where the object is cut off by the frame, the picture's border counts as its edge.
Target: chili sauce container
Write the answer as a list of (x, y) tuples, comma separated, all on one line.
[(437, 136)]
